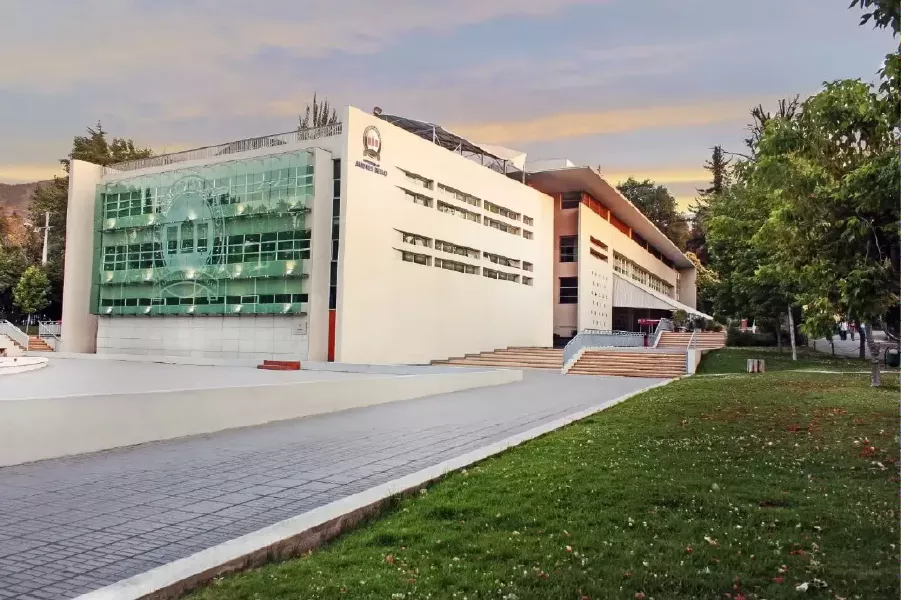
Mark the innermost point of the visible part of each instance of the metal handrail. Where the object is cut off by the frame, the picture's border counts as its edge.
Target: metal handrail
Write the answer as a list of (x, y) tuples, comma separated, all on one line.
[(598, 338), (50, 330), (663, 325), (266, 141), (14, 333), (691, 341)]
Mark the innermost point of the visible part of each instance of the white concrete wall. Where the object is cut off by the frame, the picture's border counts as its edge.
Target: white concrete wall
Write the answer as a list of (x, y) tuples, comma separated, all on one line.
[(79, 326), (320, 221), (566, 316), (391, 311), (257, 337), (688, 287), (41, 428), (595, 276)]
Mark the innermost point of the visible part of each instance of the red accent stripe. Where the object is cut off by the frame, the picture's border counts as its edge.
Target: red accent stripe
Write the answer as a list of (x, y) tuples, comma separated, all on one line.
[(332, 316)]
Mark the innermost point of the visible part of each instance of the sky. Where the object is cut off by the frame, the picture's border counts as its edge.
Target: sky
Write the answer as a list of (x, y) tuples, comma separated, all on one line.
[(641, 88)]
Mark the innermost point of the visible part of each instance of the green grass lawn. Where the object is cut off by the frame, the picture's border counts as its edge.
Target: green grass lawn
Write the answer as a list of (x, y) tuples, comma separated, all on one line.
[(741, 487), (734, 360)]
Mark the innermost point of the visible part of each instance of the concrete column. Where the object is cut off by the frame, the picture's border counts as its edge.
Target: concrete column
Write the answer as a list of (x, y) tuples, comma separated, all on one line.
[(688, 291), (320, 255), (79, 326)]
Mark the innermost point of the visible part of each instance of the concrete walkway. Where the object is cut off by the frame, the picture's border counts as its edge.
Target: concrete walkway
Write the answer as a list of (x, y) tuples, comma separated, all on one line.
[(846, 348), (69, 526)]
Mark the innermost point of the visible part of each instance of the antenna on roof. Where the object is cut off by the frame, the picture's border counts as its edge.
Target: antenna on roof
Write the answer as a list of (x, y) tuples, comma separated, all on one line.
[(377, 111)]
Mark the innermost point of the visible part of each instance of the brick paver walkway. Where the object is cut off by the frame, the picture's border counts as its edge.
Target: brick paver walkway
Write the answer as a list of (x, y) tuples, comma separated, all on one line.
[(69, 526)]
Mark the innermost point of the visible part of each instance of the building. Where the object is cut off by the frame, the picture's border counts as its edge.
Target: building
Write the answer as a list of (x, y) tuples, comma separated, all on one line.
[(376, 240), (612, 266)]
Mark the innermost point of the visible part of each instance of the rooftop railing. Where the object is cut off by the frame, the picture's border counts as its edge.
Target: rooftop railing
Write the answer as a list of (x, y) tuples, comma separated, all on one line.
[(257, 143)]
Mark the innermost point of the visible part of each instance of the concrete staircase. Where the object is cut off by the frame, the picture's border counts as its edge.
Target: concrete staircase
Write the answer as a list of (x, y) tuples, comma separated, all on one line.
[(519, 358), (703, 340), (630, 364), (36, 344)]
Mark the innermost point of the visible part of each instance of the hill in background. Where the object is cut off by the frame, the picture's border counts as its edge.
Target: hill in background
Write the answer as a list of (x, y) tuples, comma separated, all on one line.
[(15, 199)]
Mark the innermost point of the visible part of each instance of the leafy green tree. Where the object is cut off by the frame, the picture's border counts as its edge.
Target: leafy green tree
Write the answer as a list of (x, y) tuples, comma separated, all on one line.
[(707, 283), (659, 206), (30, 293), (13, 262), (53, 197), (317, 114), (718, 165)]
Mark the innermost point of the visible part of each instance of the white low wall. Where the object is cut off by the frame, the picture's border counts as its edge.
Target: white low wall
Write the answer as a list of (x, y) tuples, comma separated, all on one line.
[(41, 428), (20, 364)]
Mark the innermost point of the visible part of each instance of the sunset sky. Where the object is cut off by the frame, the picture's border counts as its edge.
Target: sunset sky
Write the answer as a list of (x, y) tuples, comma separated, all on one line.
[(639, 87)]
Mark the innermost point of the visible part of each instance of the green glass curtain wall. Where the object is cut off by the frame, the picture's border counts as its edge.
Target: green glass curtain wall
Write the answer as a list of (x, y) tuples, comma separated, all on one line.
[(226, 238)]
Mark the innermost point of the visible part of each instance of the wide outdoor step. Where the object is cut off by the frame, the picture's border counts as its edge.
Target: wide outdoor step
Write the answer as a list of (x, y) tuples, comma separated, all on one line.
[(38, 345)]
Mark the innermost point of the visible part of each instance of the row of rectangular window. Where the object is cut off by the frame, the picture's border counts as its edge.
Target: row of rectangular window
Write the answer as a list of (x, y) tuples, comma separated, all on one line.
[(204, 300), (626, 267), (428, 184), (451, 248), (460, 267), (459, 212), (502, 211), (501, 226)]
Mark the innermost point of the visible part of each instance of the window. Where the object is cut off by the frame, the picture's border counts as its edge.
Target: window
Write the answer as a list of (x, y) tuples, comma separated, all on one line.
[(413, 257), (570, 200), (528, 220), (598, 255), (418, 180), (569, 290), (527, 234), (492, 274), (418, 198), (526, 280), (500, 210), (569, 248), (526, 266), (459, 212), (452, 265), (489, 222), (450, 192), (502, 260), (455, 249), (416, 240)]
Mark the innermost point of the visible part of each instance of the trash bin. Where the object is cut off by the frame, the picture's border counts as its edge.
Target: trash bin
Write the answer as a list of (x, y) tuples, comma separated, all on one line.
[(892, 357)]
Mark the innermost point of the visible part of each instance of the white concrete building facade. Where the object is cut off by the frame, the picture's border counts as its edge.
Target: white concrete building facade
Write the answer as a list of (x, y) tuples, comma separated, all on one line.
[(378, 240), (358, 242)]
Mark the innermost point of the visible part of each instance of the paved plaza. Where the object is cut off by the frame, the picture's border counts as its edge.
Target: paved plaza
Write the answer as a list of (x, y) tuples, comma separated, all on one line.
[(72, 525), (75, 377)]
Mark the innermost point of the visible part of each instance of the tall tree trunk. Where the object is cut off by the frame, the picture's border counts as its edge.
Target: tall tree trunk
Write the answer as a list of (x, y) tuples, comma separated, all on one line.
[(791, 332), (779, 333), (875, 375), (863, 341)]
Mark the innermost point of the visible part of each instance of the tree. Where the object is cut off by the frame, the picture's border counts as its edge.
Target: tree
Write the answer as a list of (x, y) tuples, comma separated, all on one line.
[(53, 197), (317, 115), (30, 294), (13, 262), (707, 283), (659, 206), (718, 165)]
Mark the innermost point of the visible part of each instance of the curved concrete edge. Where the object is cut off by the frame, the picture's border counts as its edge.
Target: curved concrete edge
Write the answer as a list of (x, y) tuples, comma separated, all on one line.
[(42, 428), (21, 364), (300, 534)]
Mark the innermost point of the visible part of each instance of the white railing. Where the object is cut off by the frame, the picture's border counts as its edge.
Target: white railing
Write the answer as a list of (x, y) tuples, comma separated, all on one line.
[(50, 332), (662, 326), (50, 329), (14, 333), (596, 338), (266, 141), (693, 339)]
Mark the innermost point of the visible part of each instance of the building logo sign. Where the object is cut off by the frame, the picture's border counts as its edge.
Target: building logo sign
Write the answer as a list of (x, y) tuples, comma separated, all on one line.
[(372, 152), (372, 143)]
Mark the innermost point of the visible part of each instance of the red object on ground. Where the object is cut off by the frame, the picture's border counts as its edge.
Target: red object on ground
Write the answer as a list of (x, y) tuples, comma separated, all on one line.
[(280, 365)]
